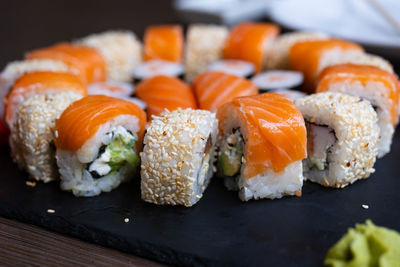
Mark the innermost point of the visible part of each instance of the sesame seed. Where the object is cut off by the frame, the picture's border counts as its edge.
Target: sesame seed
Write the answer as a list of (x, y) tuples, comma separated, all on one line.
[(126, 220), (51, 211), (365, 206), (30, 183)]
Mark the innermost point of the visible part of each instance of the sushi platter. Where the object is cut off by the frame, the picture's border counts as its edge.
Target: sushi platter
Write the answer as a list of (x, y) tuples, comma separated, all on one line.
[(213, 146)]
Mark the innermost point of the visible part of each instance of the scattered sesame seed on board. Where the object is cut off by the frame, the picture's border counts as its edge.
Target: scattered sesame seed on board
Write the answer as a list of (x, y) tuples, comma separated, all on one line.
[(30, 183), (51, 211), (365, 206)]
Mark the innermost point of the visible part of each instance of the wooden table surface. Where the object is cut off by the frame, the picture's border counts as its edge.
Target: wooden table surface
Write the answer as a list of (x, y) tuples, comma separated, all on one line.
[(31, 24)]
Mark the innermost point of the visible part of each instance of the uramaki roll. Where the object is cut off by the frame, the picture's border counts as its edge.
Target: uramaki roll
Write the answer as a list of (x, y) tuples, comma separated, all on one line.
[(122, 52), (250, 41), (311, 57), (177, 158), (379, 87), (88, 61), (342, 136), (98, 139), (262, 143), (204, 44)]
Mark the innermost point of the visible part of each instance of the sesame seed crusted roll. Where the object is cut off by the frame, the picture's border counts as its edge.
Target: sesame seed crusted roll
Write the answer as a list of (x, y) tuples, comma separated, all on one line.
[(342, 134), (121, 51), (278, 55), (204, 45), (16, 69), (31, 141), (177, 159)]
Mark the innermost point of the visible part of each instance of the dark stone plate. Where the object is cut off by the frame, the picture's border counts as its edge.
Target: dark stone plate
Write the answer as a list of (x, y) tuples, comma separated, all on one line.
[(220, 229)]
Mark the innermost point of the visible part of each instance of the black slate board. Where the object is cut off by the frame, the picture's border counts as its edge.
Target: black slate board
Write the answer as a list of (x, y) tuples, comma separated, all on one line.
[(220, 229)]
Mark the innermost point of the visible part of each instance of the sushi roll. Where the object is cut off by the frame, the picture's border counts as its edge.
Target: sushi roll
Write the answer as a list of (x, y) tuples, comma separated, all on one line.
[(250, 41), (31, 140), (278, 54), (379, 87), (232, 66), (290, 94), (36, 83), (262, 143), (121, 50), (278, 79), (156, 67), (111, 88), (162, 93), (213, 89), (98, 140), (204, 44), (16, 69), (177, 158), (89, 63), (342, 134), (32, 106), (311, 57), (163, 42), (363, 59)]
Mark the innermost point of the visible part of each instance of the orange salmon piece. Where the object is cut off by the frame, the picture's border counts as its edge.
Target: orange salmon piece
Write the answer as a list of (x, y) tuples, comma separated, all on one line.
[(36, 83), (163, 92), (276, 132), (81, 120), (350, 73), (213, 89), (163, 42), (306, 57), (87, 61), (249, 41)]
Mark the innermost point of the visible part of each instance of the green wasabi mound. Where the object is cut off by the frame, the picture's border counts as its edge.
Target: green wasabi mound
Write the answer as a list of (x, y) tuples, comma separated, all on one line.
[(367, 245)]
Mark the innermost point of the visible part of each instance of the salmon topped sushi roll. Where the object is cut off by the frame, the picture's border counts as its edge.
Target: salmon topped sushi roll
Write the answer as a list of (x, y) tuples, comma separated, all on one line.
[(213, 89), (278, 55), (163, 42), (122, 52), (311, 57), (250, 41), (98, 140), (379, 87), (88, 62), (162, 93), (262, 144), (35, 102), (40, 83)]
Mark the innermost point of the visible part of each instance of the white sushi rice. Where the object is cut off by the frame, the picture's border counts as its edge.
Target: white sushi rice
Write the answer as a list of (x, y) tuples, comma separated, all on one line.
[(204, 44), (372, 91), (72, 164), (121, 50), (354, 122), (31, 141), (232, 66), (156, 67), (270, 184), (267, 184), (278, 54), (176, 168)]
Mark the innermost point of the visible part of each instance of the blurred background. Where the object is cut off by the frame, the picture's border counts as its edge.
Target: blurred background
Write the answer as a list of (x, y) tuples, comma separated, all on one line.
[(31, 24)]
